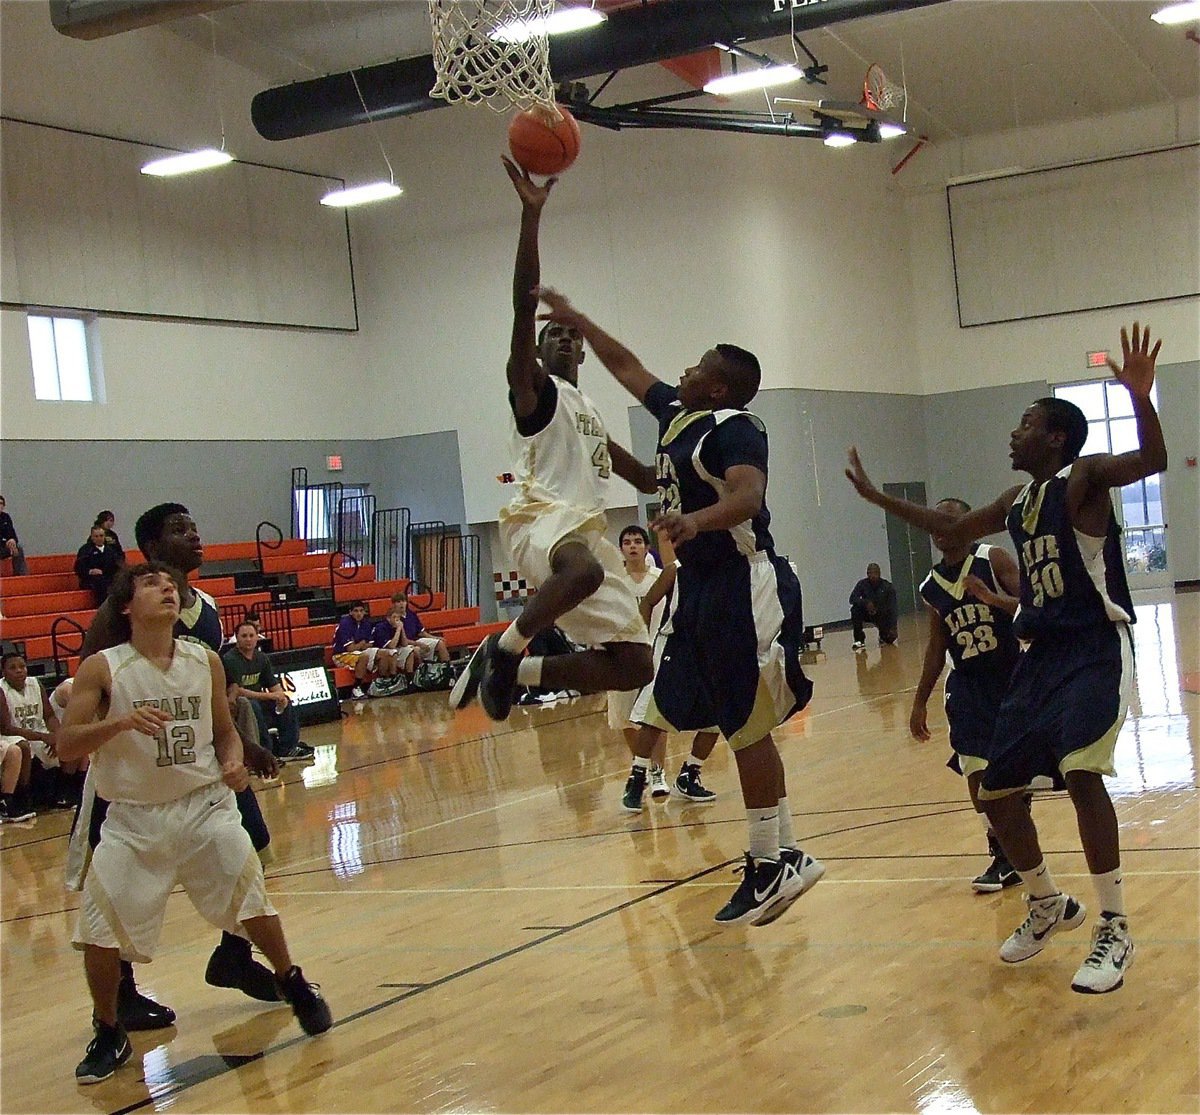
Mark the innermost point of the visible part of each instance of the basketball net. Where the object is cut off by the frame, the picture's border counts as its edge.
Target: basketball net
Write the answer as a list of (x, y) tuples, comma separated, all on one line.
[(880, 93), (475, 63)]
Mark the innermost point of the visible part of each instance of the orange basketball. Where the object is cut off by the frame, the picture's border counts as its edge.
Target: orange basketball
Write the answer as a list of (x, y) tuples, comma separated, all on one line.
[(542, 148)]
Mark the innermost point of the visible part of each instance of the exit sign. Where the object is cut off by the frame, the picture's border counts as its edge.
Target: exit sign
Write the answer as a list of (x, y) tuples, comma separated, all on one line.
[(1097, 359), (334, 462)]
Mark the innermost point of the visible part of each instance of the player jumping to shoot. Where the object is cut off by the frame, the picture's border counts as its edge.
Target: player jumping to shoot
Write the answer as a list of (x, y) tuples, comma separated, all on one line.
[(554, 526)]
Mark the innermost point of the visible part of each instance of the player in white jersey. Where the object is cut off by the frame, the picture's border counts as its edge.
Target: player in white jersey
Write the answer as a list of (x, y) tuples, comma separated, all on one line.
[(554, 525), (31, 715), (153, 715)]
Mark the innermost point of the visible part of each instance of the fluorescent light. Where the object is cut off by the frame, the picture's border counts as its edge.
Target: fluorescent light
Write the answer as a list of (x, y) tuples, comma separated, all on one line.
[(1177, 13), (560, 22), (839, 139), (360, 195), (187, 162), (762, 78), (888, 130)]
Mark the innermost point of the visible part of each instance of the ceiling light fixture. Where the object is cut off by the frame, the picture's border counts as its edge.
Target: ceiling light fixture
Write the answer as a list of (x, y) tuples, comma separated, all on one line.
[(889, 130), (186, 162), (1177, 13), (745, 80), (839, 139), (562, 21), (360, 195)]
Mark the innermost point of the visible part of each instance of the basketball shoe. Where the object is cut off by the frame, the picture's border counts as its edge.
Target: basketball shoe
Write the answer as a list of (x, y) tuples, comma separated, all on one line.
[(466, 688), (1047, 916), (232, 965), (635, 789), (498, 682), (811, 872), (688, 784), (310, 1009), (136, 1011), (106, 1053), (1111, 957), (1000, 873), (766, 883), (659, 790)]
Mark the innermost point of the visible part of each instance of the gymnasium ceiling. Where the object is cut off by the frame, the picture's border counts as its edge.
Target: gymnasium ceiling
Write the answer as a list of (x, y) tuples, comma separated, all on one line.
[(972, 66)]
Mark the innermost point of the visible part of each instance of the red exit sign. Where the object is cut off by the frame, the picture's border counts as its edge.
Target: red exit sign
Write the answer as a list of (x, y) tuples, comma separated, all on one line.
[(1097, 359), (334, 462)]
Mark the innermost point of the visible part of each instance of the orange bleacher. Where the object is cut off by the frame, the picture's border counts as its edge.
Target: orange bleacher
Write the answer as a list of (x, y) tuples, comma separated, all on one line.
[(31, 604)]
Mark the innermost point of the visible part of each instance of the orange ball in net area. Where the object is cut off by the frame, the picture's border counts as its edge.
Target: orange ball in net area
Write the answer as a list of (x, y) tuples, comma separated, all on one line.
[(541, 145)]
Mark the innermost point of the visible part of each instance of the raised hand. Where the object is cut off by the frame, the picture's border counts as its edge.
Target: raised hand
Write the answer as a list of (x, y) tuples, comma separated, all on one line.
[(558, 308), (532, 195), (979, 590), (1137, 370), (677, 527), (857, 476)]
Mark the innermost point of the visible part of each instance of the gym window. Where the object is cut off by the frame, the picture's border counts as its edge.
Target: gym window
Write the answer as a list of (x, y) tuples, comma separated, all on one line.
[(62, 348)]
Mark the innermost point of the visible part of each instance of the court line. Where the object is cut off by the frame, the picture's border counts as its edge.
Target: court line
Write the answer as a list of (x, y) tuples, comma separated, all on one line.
[(208, 1070)]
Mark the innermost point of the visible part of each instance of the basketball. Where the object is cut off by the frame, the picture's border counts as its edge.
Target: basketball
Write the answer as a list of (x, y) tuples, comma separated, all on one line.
[(542, 148)]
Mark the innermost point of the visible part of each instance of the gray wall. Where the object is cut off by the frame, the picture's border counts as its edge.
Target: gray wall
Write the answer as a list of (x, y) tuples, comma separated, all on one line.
[(1179, 404), (55, 488)]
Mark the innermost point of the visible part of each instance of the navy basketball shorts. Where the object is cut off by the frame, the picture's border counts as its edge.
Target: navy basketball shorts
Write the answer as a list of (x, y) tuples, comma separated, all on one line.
[(1064, 708), (732, 654), (972, 704)]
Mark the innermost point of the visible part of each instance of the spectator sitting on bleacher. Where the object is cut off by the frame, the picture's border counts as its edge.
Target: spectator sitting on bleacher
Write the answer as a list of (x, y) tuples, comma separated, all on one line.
[(10, 729), (353, 648), (29, 714), (11, 760), (108, 521), (429, 646), (96, 564), (396, 656), (249, 674), (10, 545)]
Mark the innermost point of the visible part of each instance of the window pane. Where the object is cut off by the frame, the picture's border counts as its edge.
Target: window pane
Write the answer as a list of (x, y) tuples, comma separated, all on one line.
[(45, 366), (1133, 506), (70, 342), (1154, 507), (1097, 439), (1119, 403), (1088, 397), (1124, 435)]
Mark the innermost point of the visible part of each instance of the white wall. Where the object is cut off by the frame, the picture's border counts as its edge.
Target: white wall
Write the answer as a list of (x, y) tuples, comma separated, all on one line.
[(951, 358)]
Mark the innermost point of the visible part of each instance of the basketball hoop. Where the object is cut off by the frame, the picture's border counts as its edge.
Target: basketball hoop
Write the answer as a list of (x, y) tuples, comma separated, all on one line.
[(880, 93), (493, 52)]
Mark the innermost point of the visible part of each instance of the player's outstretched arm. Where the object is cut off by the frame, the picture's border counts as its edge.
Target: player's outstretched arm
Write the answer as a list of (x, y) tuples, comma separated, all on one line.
[(81, 732), (974, 524), (931, 670), (626, 368), (628, 467), (525, 373), (1136, 375)]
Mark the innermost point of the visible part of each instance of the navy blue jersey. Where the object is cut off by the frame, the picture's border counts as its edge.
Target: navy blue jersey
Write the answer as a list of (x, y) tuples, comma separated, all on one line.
[(201, 623), (979, 637), (695, 449), (1062, 587)]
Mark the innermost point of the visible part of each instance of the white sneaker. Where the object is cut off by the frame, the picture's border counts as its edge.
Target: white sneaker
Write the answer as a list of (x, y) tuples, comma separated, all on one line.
[(1111, 957), (1046, 917), (858, 644), (358, 693), (659, 790)]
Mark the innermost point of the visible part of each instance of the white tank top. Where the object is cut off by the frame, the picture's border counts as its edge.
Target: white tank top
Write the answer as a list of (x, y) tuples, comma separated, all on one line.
[(567, 461), (147, 770), (26, 705), (642, 588)]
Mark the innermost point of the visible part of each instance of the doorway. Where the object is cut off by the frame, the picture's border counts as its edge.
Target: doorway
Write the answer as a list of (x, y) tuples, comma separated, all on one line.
[(910, 553)]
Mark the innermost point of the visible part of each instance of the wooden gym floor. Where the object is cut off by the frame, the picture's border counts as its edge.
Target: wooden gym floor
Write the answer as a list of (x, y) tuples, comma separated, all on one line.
[(494, 934)]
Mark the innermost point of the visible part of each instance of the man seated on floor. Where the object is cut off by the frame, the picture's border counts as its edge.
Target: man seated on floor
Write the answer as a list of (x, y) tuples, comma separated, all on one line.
[(249, 674)]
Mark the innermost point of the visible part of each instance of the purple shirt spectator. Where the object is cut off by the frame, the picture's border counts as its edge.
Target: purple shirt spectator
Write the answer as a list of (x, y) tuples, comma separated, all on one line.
[(413, 626), (350, 631)]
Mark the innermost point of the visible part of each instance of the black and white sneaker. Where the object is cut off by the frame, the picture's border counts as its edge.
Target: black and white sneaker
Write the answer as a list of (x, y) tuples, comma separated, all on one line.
[(766, 884), (466, 688), (310, 1009), (659, 790), (232, 965), (688, 784), (136, 1011), (1000, 875), (12, 814), (106, 1053), (498, 685), (810, 872), (635, 790)]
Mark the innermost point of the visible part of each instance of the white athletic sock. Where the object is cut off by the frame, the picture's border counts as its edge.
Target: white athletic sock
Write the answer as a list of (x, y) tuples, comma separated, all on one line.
[(1038, 882), (764, 832), (1110, 892), (512, 640), (639, 761), (692, 761), (529, 670), (786, 839)]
